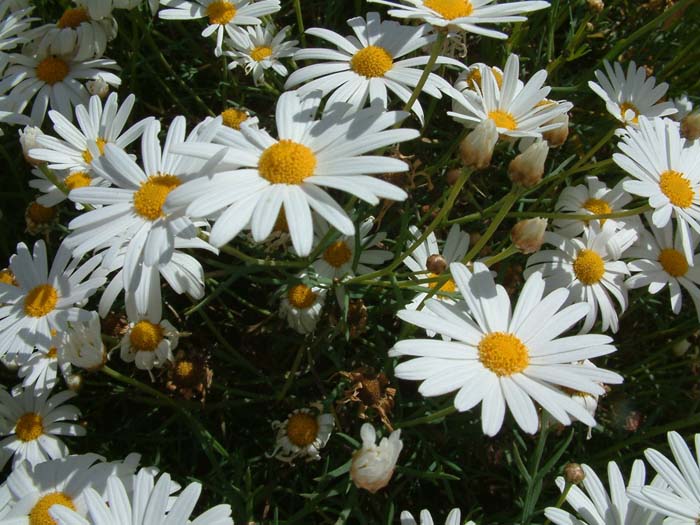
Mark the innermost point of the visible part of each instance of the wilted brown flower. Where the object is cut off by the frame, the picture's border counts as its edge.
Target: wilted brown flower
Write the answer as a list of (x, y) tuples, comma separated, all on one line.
[(372, 392)]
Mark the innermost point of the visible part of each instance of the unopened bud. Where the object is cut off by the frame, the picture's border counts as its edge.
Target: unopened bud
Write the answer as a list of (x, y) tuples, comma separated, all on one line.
[(452, 176), (681, 347), (557, 137), (528, 235), (573, 473), (74, 382), (97, 87), (436, 264), (690, 126), (596, 5), (476, 149), (27, 138), (527, 168)]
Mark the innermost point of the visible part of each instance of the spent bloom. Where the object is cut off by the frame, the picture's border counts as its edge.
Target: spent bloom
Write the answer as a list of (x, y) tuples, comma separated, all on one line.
[(373, 465)]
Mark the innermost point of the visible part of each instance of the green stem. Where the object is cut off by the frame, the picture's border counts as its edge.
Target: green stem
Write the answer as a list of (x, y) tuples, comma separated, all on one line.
[(227, 248), (508, 203), (292, 373), (562, 497), (434, 52), (581, 216), (53, 179), (300, 22), (511, 250), (428, 418)]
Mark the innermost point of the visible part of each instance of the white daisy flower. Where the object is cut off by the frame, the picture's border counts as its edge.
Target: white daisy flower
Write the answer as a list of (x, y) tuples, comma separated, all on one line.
[(53, 195), (427, 258), (14, 25), (453, 518), (32, 420), (517, 111), (98, 127), (590, 268), (660, 261), (301, 305), (684, 107), (667, 169), (256, 49), (233, 118), (593, 198), (595, 506), (471, 79), (373, 465), (41, 369), (149, 503), (465, 15), (501, 357), (81, 345), (30, 310), (223, 15), (629, 96), (52, 79), (290, 172), (149, 343), (679, 500), (302, 435), (369, 63), (587, 401)]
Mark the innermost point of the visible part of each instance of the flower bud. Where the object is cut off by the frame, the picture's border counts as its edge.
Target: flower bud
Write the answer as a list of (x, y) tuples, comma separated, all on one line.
[(373, 465), (436, 264), (527, 168), (81, 344), (557, 137), (476, 149), (452, 176), (573, 473), (681, 347), (27, 138), (596, 5), (97, 87), (528, 235), (74, 382), (690, 126)]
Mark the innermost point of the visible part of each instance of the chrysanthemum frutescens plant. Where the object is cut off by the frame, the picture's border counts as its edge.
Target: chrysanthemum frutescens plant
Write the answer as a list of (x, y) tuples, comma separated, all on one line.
[(347, 262)]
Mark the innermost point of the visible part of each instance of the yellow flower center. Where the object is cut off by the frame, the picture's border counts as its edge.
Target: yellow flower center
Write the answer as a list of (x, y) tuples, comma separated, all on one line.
[(40, 300), (504, 354), (597, 207), (73, 17), (589, 267), (503, 119), (372, 61), (52, 70), (52, 353), (184, 369), (474, 76), (628, 105), (450, 9), (87, 156), (7, 277), (674, 262), (39, 515), (233, 118), (287, 162), (221, 12), (302, 429), (40, 214), (337, 254), (79, 179), (29, 426), (145, 336), (260, 53), (149, 200), (301, 296), (447, 286), (677, 188)]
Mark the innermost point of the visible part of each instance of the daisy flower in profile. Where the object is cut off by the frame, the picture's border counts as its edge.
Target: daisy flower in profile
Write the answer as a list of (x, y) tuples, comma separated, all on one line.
[(301, 305), (595, 506), (429, 262), (150, 502), (590, 268), (367, 65), (471, 78), (32, 420), (302, 435), (149, 343), (464, 15), (659, 260), (501, 357), (233, 118), (629, 96), (289, 173), (52, 80), (453, 518), (517, 111), (593, 197), (667, 171), (373, 465), (53, 195), (678, 499), (30, 309), (223, 15), (256, 49)]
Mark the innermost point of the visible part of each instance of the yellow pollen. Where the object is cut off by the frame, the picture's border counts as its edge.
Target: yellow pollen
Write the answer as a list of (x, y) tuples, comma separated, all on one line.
[(40, 300), (184, 369), (677, 188), (52, 70), (149, 200), (337, 254), (87, 156), (674, 262), (503, 119), (39, 515), (221, 12), (233, 118), (448, 286), (145, 336), (597, 207), (450, 9), (7, 277), (73, 17), (260, 53), (79, 179), (29, 426), (52, 353), (40, 214), (287, 162), (302, 429), (504, 354), (628, 105), (371, 62), (301, 296), (589, 267)]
